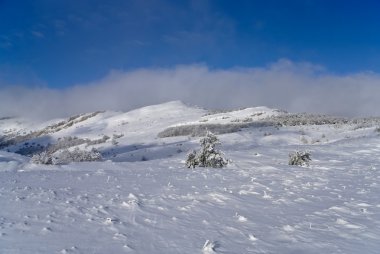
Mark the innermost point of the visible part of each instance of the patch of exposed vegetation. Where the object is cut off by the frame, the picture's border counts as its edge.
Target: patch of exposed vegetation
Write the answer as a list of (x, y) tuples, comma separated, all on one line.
[(66, 156), (68, 142), (305, 119), (70, 122), (301, 119), (199, 130), (273, 121), (62, 143), (222, 111), (13, 139), (66, 150)]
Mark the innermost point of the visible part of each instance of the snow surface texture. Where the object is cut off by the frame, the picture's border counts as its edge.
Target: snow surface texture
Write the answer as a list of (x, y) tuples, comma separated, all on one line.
[(143, 199)]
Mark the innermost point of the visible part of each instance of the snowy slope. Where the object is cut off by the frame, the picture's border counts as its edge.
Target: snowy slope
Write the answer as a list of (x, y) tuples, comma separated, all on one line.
[(258, 204)]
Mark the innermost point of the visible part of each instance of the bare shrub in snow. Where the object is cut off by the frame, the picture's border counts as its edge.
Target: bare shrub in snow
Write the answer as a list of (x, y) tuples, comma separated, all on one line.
[(300, 158), (208, 155)]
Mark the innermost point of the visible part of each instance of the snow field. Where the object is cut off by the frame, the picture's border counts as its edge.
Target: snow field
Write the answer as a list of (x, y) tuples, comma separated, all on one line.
[(257, 204)]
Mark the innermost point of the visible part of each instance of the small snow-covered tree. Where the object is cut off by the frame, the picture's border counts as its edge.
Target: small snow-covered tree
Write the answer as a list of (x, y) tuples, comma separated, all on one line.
[(300, 158), (208, 155)]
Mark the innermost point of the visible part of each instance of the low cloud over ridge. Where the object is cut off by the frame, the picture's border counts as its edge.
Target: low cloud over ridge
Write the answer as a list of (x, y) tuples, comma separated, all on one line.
[(296, 87)]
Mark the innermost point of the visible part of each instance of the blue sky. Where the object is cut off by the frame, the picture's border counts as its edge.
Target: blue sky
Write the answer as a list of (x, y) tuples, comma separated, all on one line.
[(59, 44), (59, 58)]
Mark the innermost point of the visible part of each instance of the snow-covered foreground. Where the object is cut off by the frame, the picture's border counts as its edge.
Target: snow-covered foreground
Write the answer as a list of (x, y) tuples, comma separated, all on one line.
[(257, 204)]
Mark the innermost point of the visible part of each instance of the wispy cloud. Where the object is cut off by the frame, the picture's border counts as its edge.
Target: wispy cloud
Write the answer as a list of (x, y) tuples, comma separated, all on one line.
[(37, 34), (296, 87)]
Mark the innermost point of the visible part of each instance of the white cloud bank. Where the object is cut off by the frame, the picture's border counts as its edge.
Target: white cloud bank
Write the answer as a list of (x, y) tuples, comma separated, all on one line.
[(296, 87)]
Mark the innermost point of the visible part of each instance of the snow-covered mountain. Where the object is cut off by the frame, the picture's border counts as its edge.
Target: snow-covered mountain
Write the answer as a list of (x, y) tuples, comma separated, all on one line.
[(140, 197)]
